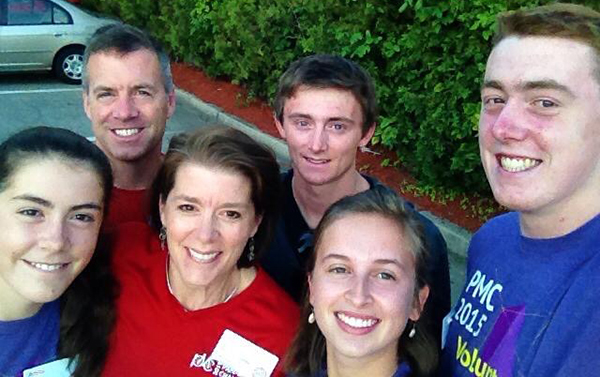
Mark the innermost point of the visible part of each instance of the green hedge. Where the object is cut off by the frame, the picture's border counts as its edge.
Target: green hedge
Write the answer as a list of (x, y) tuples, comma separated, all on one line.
[(427, 57)]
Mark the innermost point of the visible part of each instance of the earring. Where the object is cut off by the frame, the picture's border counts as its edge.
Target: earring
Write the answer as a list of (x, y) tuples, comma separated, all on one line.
[(251, 254), (413, 330), (162, 236), (311, 317)]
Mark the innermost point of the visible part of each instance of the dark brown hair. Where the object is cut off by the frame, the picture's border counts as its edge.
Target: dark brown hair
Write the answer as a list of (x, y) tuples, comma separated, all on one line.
[(328, 71), (308, 350), (226, 148), (87, 305)]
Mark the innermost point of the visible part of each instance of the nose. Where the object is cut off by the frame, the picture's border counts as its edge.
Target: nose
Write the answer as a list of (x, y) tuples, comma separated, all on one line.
[(359, 291), (125, 108), (207, 228), (53, 236), (318, 141), (509, 124)]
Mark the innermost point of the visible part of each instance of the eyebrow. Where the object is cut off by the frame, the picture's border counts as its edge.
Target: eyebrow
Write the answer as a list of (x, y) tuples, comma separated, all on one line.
[(302, 115), (104, 88), (48, 204), (531, 85), (391, 261), (382, 261), (335, 256), (547, 84), (144, 86), (86, 206), (34, 199), (491, 84), (196, 201)]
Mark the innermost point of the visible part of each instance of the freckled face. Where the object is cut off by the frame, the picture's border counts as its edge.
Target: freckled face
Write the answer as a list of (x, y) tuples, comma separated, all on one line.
[(50, 213), (127, 103), (539, 131), (209, 217), (362, 288), (323, 129)]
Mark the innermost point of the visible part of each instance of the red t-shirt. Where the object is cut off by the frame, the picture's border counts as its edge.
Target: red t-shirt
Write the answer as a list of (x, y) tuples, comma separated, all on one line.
[(155, 336), (127, 206)]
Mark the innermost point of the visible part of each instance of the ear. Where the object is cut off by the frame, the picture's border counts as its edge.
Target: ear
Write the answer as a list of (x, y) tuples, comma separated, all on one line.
[(279, 126), (171, 103), (419, 303), (257, 221), (86, 103), (367, 136), (310, 296), (161, 209)]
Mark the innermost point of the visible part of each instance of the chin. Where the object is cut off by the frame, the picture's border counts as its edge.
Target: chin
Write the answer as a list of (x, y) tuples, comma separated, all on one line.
[(44, 297)]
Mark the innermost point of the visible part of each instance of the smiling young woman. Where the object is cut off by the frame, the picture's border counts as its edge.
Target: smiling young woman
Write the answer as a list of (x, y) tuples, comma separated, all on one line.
[(54, 186), (366, 291)]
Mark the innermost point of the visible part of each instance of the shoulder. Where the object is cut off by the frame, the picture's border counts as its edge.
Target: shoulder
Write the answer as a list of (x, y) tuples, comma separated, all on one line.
[(272, 291), (270, 297), (129, 240), (502, 226), (288, 202), (495, 238), (427, 224)]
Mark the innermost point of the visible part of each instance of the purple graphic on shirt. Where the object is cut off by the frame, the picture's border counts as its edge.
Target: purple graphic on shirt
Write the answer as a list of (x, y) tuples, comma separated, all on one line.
[(501, 345)]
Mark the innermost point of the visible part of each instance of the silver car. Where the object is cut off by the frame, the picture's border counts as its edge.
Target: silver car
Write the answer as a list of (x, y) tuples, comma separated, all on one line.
[(37, 35)]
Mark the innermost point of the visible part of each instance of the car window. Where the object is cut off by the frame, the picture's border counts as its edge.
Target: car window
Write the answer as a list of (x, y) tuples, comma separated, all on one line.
[(60, 16), (29, 12)]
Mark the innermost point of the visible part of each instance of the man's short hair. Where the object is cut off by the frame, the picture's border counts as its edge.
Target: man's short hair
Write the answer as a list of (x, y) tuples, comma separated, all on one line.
[(558, 20), (124, 39), (328, 71)]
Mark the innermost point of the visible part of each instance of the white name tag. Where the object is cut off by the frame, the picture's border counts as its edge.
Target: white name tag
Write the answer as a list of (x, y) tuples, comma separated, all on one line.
[(58, 368), (243, 357)]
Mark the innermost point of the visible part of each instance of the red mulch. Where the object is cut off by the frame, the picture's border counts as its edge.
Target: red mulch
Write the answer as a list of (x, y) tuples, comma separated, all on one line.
[(232, 99)]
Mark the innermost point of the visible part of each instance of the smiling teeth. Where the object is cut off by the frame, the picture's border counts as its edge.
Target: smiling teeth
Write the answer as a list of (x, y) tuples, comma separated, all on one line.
[(46, 267), (316, 161), (518, 164), (127, 131), (356, 322), (202, 257)]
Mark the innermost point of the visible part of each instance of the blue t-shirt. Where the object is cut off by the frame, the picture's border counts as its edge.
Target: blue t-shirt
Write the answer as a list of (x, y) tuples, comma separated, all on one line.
[(29, 342), (530, 307)]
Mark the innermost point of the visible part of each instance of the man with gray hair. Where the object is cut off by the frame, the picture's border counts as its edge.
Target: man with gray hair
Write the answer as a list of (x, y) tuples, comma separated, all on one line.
[(128, 95)]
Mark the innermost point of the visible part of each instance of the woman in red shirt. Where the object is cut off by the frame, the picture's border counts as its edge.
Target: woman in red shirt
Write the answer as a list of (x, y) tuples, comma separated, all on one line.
[(192, 300)]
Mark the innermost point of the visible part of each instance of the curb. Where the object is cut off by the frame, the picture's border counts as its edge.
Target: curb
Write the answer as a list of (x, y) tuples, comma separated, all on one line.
[(457, 238), (215, 114)]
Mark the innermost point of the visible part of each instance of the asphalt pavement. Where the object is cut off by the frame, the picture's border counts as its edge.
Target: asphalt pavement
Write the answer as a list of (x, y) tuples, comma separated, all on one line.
[(39, 99)]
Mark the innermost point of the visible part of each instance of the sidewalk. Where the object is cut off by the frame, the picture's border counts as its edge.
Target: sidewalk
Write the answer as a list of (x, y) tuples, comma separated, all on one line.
[(456, 237)]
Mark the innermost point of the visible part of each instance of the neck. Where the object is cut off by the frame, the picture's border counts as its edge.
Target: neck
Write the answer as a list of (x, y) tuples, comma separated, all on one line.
[(14, 306), (222, 289), (313, 200), (557, 223), (375, 365), (138, 174)]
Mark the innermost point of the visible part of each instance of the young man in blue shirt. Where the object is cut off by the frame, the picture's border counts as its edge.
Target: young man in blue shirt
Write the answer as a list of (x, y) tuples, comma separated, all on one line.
[(530, 303)]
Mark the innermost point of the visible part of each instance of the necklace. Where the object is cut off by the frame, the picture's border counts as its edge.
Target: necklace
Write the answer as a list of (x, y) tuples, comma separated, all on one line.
[(229, 296)]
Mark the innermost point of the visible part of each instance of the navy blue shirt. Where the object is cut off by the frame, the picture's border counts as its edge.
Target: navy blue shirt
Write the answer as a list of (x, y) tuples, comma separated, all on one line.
[(285, 259)]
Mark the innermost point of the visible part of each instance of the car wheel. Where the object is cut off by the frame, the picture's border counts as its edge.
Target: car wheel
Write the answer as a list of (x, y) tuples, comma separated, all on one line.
[(68, 65)]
